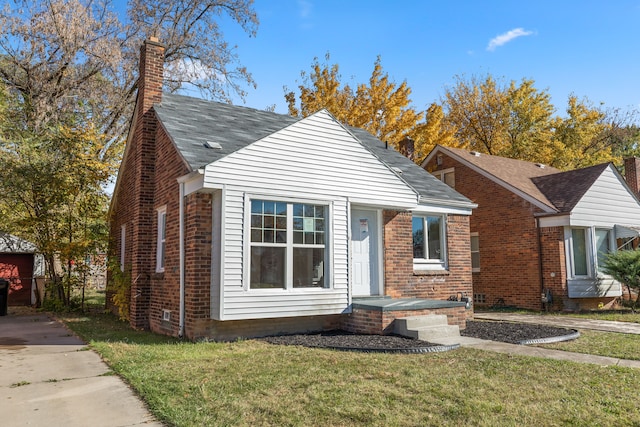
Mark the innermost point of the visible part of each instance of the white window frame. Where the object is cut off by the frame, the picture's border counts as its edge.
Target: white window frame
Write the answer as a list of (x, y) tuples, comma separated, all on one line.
[(477, 236), (591, 251), (289, 245), (441, 174), (123, 245), (427, 263), (161, 240)]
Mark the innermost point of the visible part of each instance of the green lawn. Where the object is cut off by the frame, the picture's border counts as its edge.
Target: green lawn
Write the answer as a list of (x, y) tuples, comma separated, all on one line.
[(253, 383), (623, 346)]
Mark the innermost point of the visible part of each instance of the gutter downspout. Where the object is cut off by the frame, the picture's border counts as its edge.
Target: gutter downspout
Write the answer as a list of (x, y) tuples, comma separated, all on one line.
[(540, 266), (181, 221)]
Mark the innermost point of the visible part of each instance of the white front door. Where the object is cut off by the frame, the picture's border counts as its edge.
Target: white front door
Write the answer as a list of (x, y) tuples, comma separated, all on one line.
[(364, 252)]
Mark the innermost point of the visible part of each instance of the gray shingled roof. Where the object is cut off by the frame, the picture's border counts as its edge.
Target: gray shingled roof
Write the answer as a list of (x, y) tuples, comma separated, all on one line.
[(193, 122)]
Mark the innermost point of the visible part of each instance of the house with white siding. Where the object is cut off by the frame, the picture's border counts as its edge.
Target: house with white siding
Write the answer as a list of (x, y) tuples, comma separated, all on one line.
[(229, 221), (540, 233)]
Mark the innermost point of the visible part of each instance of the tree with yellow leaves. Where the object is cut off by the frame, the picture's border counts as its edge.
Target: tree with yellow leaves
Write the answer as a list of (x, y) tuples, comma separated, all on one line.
[(517, 121), (381, 107)]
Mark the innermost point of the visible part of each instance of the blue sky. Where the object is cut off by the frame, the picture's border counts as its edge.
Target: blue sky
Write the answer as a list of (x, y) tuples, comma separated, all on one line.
[(589, 48)]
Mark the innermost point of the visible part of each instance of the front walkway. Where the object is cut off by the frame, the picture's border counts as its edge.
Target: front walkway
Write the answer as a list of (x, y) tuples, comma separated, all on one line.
[(558, 321)]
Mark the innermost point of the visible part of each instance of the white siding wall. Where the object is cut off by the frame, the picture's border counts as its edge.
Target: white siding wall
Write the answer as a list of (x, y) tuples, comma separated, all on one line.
[(606, 203), (312, 160)]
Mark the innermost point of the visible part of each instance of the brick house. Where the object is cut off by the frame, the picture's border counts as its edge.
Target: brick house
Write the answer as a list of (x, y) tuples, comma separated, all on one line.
[(238, 222), (538, 230)]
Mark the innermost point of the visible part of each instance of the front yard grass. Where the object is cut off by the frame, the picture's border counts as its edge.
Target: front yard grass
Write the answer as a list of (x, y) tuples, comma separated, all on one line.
[(251, 382), (611, 344)]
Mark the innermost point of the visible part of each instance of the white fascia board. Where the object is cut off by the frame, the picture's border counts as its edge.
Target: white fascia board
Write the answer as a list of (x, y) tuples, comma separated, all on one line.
[(193, 181), (452, 210), (555, 221)]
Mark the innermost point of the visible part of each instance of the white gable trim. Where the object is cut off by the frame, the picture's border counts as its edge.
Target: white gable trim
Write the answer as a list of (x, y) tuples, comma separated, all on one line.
[(439, 149)]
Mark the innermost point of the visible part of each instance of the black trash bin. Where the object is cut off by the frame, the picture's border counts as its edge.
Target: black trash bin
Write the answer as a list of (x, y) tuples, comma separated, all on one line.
[(4, 297)]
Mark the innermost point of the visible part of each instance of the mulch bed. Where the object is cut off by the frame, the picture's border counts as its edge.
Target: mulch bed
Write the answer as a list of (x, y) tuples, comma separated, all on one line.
[(495, 331)]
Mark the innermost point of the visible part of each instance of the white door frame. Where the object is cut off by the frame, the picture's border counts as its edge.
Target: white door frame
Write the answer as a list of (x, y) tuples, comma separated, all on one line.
[(378, 263)]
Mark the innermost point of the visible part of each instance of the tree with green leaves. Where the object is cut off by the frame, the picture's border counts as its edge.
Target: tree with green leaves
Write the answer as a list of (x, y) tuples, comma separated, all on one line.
[(624, 266), (69, 73)]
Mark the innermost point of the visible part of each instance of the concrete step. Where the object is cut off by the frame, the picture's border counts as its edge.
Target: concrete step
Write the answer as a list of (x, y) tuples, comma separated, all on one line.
[(426, 328), (413, 322)]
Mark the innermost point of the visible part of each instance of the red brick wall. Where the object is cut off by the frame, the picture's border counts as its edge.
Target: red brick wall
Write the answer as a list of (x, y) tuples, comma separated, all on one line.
[(165, 286), (554, 267), (400, 279), (509, 256), (631, 173)]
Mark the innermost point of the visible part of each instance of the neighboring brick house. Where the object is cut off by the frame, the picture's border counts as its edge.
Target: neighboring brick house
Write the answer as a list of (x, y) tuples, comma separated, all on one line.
[(538, 230), (238, 222)]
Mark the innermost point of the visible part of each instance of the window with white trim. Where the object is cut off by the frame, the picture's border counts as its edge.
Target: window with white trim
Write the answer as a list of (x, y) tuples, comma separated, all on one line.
[(288, 245), (580, 254), (447, 176), (603, 245), (589, 247), (123, 239), (429, 241), (475, 252), (161, 239)]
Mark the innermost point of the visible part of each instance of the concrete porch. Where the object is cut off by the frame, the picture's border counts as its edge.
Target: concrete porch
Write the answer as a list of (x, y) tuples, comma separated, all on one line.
[(376, 315)]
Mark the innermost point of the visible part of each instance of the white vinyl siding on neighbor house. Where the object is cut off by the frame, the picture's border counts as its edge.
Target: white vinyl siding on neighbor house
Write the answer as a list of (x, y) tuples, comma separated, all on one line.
[(315, 161), (606, 203)]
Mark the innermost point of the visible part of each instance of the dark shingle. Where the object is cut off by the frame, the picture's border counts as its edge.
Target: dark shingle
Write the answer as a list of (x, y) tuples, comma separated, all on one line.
[(565, 189)]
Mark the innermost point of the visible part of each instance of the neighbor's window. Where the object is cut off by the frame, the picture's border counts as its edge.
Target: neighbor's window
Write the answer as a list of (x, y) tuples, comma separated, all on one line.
[(288, 245), (428, 239), (475, 252), (603, 245), (579, 250), (161, 242), (447, 176)]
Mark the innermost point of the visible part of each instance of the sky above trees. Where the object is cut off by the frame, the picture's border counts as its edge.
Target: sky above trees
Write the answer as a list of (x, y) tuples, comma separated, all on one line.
[(582, 47)]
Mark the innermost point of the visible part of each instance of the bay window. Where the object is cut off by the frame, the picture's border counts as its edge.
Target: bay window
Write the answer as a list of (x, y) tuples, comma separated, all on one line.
[(589, 247), (288, 245)]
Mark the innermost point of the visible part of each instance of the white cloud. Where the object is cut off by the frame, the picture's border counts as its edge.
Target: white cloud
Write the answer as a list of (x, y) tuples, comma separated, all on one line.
[(505, 38), (304, 8)]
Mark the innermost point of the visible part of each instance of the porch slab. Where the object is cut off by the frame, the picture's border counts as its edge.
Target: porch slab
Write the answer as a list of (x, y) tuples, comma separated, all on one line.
[(402, 304)]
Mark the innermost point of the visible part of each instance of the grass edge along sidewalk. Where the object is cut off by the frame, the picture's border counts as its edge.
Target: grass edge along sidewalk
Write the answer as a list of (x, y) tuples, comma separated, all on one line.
[(250, 382)]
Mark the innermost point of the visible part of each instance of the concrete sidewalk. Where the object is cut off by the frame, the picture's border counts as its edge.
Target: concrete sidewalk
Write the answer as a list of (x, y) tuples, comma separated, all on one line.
[(563, 321), (559, 321), (48, 377)]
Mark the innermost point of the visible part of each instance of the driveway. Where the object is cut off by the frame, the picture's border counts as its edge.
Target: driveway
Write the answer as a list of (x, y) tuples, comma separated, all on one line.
[(48, 377)]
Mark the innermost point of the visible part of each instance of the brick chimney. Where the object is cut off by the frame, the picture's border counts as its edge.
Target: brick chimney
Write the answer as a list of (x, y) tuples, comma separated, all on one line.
[(144, 149), (631, 171), (407, 148)]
